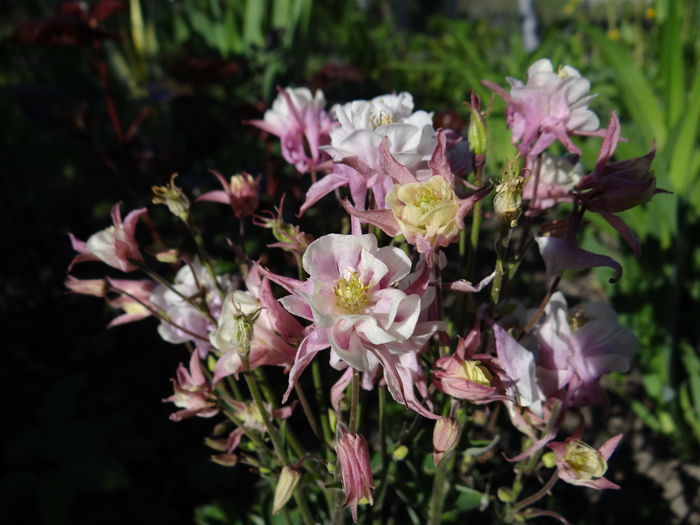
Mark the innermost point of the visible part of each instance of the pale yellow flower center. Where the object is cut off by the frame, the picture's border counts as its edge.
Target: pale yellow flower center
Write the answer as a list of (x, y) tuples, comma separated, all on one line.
[(577, 318), (382, 119), (475, 372), (585, 461), (351, 294)]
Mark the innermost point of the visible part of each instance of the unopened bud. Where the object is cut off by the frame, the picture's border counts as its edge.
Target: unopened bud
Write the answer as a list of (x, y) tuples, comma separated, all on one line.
[(476, 133), (173, 197), (445, 437), (168, 256), (243, 195), (287, 482)]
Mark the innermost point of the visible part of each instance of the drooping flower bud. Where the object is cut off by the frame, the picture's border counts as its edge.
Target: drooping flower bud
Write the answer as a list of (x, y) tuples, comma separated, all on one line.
[(173, 197), (509, 196), (445, 437), (96, 287), (476, 133), (355, 469), (287, 482)]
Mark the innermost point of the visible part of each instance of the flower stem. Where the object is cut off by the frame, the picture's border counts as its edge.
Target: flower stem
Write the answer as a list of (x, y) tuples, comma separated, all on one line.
[(437, 497), (501, 257), (307, 411), (325, 422), (476, 225), (355, 401)]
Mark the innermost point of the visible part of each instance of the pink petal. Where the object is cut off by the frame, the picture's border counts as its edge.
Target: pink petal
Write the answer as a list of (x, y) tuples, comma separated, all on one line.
[(560, 255), (624, 230), (391, 167), (322, 188), (309, 347), (383, 218), (438, 163)]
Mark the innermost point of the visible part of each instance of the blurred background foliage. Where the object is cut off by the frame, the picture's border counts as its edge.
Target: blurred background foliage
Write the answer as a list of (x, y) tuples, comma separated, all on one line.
[(102, 100)]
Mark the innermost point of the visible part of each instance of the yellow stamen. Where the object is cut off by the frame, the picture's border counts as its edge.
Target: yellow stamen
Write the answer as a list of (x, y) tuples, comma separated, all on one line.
[(351, 294)]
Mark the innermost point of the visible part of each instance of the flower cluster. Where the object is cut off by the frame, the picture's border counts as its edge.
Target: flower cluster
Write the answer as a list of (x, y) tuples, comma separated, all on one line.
[(376, 306)]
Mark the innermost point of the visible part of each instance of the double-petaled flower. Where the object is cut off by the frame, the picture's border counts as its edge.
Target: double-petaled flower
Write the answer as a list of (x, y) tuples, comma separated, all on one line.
[(550, 106), (355, 469), (299, 119), (357, 308)]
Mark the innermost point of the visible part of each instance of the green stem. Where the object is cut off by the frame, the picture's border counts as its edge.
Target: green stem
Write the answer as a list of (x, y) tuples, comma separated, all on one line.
[(206, 260), (325, 421), (437, 497), (383, 481), (352, 424), (476, 225)]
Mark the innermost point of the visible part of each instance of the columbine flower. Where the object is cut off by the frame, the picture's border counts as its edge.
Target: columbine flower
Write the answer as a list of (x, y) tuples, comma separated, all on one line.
[(241, 193), (355, 469), (133, 304), (428, 213), (557, 178), (297, 117), (468, 375), (192, 281), (580, 464), (363, 125), (578, 346), (551, 106), (617, 186), (115, 246), (357, 310), (192, 392), (275, 332), (96, 287)]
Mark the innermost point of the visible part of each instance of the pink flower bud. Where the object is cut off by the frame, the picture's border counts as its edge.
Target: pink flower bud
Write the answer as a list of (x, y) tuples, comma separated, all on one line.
[(445, 437), (356, 470), (244, 195), (96, 287)]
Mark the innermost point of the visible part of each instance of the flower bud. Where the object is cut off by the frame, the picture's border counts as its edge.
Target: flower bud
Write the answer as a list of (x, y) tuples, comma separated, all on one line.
[(356, 470), (287, 482), (173, 197), (96, 287), (476, 133), (445, 437), (244, 195)]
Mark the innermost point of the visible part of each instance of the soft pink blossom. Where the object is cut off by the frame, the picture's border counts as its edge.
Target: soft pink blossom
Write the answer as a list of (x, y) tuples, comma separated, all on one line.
[(193, 394), (354, 299), (96, 287), (299, 119), (115, 246), (551, 106), (133, 298)]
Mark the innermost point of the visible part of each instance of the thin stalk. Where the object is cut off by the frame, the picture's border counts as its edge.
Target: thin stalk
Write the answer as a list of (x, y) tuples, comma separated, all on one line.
[(307, 411), (352, 424), (383, 481), (437, 496), (476, 226), (206, 260), (537, 495), (543, 304), (325, 421)]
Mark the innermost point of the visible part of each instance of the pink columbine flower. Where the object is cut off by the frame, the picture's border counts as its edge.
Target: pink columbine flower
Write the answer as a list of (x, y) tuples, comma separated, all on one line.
[(241, 193), (577, 346), (192, 280), (468, 375), (299, 119), (355, 469), (193, 394), (115, 246), (363, 125), (133, 298), (580, 464), (617, 186), (551, 106), (556, 179), (276, 333), (357, 309), (426, 211)]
